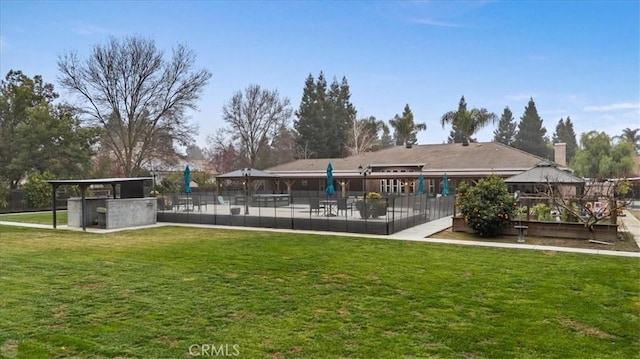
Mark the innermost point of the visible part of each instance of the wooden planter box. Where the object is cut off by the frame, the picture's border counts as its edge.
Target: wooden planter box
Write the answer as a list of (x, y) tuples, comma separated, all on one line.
[(604, 231)]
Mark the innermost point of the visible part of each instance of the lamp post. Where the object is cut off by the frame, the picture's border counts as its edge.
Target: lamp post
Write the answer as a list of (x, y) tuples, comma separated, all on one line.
[(153, 173), (246, 172), (364, 171)]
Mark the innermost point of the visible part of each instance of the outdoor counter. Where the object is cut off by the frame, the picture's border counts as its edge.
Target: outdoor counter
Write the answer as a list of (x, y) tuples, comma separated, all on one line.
[(120, 213)]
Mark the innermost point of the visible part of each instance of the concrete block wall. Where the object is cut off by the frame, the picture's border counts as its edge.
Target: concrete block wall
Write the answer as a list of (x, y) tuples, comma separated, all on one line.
[(131, 212)]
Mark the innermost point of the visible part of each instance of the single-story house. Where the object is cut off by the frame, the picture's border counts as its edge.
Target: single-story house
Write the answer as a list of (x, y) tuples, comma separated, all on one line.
[(395, 170)]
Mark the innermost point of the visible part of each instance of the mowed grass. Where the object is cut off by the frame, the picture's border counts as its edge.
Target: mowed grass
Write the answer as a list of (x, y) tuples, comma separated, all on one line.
[(154, 293), (36, 217)]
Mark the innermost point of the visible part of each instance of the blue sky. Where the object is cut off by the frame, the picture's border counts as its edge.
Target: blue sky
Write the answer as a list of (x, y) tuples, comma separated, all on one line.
[(575, 58)]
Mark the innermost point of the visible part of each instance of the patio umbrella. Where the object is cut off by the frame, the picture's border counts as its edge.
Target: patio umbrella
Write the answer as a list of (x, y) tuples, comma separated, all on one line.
[(187, 180), (445, 185), (330, 189), (420, 184)]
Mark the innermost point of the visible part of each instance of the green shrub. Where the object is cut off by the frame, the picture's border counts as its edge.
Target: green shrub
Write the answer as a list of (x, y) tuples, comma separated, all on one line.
[(541, 211), (486, 207), (521, 212), (374, 206), (36, 191), (167, 186), (4, 193)]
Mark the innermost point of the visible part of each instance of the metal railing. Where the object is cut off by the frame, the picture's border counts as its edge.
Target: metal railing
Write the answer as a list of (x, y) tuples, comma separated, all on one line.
[(340, 214)]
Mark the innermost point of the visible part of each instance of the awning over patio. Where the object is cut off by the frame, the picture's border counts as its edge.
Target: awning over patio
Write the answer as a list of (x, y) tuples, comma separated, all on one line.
[(253, 173)]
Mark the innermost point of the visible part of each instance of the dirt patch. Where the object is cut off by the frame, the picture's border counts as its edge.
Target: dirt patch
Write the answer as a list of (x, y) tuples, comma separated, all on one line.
[(624, 243), (584, 329), (295, 349)]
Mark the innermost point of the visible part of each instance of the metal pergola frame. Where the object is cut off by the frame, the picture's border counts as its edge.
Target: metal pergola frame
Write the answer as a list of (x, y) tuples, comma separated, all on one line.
[(84, 184)]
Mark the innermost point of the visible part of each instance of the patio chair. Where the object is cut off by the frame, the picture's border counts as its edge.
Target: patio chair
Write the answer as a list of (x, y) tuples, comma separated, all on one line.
[(314, 203), (345, 205), (221, 201), (196, 200)]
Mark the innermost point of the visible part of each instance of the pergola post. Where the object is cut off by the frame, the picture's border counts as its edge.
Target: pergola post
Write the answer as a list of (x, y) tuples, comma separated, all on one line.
[(54, 188), (83, 189)]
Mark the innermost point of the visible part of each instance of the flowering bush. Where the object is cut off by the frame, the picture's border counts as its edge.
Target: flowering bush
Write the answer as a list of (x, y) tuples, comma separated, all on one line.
[(486, 207)]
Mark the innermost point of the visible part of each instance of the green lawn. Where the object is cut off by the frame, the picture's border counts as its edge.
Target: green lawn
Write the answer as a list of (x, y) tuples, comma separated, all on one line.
[(154, 293), (36, 217)]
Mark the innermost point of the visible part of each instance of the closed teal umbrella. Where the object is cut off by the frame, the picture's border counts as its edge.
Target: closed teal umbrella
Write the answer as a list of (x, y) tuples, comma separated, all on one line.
[(420, 184), (187, 180), (445, 185), (330, 189)]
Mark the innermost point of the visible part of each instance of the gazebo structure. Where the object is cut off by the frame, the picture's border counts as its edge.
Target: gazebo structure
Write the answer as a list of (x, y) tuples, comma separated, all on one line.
[(543, 176), (257, 178), (131, 208)]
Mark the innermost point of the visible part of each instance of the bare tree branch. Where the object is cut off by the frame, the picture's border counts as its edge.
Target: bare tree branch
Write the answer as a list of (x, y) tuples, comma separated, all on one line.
[(137, 96), (254, 118)]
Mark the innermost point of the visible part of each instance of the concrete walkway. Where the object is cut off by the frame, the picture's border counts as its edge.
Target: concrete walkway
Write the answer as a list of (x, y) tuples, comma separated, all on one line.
[(417, 234)]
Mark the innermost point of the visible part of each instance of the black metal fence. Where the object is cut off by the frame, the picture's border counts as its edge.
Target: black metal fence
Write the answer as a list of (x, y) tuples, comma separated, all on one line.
[(345, 214)]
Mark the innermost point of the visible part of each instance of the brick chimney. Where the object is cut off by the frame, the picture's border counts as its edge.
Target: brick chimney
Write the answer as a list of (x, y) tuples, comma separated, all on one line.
[(560, 150)]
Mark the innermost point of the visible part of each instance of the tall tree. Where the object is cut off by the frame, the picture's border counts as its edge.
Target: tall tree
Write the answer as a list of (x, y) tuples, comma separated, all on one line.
[(363, 136), (506, 131), (631, 136), (194, 152), (222, 154), (467, 122), (405, 128), (283, 146), (324, 117), (36, 135), (145, 95), (386, 140), (599, 158), (254, 119), (457, 136), (531, 134), (310, 124), (564, 133)]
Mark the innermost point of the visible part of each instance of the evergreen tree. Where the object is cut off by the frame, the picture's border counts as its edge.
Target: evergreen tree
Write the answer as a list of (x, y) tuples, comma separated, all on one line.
[(38, 135), (386, 140), (565, 134), (324, 118), (405, 129), (310, 124), (346, 114), (506, 131), (531, 134), (455, 135)]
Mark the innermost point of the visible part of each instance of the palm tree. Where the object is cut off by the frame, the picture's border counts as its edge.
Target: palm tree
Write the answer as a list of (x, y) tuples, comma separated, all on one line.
[(631, 136), (405, 129), (469, 122)]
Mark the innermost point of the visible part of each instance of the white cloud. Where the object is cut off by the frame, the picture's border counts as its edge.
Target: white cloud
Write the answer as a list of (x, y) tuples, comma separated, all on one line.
[(613, 107)]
